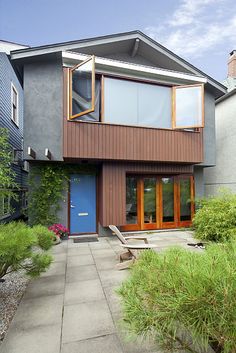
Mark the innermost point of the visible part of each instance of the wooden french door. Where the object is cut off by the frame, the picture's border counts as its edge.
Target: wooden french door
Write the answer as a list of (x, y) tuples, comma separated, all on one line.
[(158, 202)]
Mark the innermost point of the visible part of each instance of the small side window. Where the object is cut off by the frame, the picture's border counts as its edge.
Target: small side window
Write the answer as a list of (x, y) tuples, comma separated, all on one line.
[(14, 105), (188, 106), (82, 88)]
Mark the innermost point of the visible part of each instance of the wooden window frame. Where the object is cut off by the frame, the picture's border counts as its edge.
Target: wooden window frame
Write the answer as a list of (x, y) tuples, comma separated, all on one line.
[(174, 127), (14, 105), (71, 117)]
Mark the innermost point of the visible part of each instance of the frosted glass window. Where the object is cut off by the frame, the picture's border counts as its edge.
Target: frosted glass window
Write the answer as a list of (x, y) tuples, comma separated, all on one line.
[(120, 102), (134, 103), (154, 105), (188, 107)]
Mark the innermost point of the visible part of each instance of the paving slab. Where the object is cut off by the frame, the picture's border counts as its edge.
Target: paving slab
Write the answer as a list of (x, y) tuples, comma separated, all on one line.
[(41, 339), (106, 263), (102, 344), (60, 257), (74, 261), (83, 291), (55, 269), (113, 277), (46, 310), (77, 251), (86, 320), (44, 286), (81, 273)]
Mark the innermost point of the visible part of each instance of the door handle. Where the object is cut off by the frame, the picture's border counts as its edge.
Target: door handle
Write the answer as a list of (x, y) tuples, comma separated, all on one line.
[(71, 206)]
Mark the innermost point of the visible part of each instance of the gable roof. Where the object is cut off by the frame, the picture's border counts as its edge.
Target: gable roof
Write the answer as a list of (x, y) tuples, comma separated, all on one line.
[(108, 44)]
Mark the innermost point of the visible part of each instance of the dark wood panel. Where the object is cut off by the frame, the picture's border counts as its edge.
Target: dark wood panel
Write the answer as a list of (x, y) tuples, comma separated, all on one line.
[(112, 183), (111, 142)]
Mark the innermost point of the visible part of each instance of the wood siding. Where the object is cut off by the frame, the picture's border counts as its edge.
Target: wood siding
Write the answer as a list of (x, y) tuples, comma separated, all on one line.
[(101, 141), (112, 186)]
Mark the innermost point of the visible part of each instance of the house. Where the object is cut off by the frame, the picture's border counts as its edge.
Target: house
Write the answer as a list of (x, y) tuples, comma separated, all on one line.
[(11, 118), (223, 175), (136, 122)]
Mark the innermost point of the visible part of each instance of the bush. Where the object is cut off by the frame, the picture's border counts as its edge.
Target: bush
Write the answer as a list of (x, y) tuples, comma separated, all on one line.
[(22, 247), (45, 236), (178, 295), (215, 220)]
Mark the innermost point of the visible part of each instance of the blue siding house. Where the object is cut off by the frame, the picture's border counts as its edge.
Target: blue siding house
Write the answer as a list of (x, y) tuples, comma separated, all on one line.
[(11, 118)]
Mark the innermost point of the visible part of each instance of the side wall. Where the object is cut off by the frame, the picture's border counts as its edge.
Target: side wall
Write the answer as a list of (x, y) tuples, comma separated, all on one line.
[(43, 88), (223, 174), (209, 138), (8, 76)]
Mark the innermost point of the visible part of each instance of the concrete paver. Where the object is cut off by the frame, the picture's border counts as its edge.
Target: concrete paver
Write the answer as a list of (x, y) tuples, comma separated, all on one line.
[(73, 307)]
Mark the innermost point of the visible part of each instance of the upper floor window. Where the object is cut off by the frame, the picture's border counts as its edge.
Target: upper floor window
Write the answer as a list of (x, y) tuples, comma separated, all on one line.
[(14, 105), (126, 102), (82, 89)]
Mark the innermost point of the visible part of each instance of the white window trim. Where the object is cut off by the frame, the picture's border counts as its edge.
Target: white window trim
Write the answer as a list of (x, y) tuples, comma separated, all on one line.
[(17, 105)]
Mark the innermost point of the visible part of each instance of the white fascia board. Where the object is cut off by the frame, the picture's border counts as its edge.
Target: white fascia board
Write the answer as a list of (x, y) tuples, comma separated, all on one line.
[(105, 62)]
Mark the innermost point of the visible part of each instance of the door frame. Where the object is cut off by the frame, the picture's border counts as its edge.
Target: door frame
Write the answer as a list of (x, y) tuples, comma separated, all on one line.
[(159, 224), (69, 203)]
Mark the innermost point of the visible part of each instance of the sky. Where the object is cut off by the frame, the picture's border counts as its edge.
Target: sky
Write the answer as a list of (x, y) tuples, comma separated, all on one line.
[(202, 32)]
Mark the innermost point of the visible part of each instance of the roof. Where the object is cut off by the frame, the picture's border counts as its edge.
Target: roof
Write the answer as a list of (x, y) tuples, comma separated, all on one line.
[(114, 39), (226, 96)]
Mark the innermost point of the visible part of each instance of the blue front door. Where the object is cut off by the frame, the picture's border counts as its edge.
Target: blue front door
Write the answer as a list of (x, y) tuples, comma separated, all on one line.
[(82, 204)]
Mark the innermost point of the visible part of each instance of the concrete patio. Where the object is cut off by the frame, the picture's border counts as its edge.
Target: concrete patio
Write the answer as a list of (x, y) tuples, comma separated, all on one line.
[(73, 308)]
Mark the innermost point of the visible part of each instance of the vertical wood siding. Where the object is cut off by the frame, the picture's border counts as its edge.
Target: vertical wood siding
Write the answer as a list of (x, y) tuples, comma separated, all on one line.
[(112, 186)]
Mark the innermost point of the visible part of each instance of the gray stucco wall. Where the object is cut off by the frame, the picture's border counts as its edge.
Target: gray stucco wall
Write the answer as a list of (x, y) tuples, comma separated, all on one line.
[(199, 182), (209, 138), (223, 175), (43, 92)]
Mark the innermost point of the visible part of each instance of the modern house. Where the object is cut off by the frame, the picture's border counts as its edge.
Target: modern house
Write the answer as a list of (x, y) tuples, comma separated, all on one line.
[(11, 118), (136, 122), (223, 175)]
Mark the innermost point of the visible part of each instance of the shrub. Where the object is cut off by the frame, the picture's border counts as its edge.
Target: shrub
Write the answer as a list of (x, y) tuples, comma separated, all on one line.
[(178, 295), (22, 247), (215, 220), (45, 236)]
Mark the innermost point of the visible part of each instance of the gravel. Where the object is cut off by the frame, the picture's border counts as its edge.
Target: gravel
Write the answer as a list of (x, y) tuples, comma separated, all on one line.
[(11, 292)]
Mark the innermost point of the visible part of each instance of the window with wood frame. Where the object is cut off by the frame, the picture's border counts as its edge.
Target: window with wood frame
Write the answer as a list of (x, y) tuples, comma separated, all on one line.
[(83, 88), (188, 106)]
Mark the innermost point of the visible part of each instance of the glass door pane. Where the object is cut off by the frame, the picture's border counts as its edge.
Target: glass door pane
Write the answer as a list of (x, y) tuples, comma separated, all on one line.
[(149, 200), (131, 200), (168, 199), (185, 199)]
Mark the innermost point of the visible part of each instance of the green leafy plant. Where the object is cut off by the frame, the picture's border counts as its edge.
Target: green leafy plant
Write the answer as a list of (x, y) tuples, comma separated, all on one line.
[(46, 185), (24, 248), (7, 176), (186, 300), (215, 218)]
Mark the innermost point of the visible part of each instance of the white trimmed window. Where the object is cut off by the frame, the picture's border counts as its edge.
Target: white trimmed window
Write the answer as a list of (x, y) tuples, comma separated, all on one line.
[(14, 105)]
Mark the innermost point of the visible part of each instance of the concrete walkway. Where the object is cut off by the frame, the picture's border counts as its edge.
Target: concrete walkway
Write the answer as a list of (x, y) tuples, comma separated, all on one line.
[(73, 308)]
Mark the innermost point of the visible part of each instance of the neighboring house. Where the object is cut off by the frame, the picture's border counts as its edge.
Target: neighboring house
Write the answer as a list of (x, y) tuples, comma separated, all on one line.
[(136, 121), (11, 118), (223, 175)]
